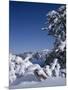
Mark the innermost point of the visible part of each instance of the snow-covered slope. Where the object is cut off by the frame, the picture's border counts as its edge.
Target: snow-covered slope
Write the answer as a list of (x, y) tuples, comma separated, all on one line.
[(50, 82), (18, 67), (23, 70)]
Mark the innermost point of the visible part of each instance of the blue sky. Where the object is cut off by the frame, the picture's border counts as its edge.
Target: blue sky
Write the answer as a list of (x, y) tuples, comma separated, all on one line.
[(26, 21)]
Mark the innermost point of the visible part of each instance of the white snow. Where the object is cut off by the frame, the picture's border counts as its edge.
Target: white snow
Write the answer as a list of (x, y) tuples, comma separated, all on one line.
[(47, 83), (48, 71), (12, 57), (55, 20), (28, 57), (33, 67), (18, 60), (54, 64), (12, 76), (27, 63), (22, 72), (57, 70), (20, 67), (50, 26), (52, 14), (62, 45), (41, 72)]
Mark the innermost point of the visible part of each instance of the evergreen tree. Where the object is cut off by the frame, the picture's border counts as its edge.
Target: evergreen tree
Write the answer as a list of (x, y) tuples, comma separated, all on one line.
[(56, 26)]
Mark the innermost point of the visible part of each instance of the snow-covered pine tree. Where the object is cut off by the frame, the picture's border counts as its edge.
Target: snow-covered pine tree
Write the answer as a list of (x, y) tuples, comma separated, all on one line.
[(56, 26)]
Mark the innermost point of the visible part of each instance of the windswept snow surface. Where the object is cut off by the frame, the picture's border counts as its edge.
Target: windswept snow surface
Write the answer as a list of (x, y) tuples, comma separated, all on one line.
[(24, 74), (33, 84)]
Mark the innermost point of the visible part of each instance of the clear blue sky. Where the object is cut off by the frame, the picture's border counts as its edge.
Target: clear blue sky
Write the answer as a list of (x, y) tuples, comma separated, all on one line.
[(26, 21)]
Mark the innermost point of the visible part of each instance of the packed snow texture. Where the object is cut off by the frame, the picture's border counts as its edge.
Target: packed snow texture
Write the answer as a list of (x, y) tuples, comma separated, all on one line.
[(50, 82), (23, 71)]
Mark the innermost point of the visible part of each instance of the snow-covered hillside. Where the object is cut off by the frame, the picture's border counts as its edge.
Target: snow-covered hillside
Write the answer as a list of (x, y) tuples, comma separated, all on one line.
[(23, 71), (33, 84)]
